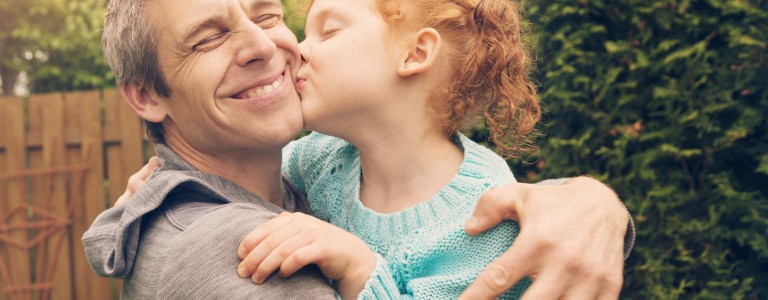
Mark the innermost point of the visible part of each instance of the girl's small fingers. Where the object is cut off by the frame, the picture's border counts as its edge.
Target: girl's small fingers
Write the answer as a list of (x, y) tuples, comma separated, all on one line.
[(153, 163), (258, 234), (272, 240), (138, 179), (309, 254), (275, 258)]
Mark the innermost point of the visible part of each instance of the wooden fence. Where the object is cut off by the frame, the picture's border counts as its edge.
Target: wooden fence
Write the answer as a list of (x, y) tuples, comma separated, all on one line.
[(64, 157)]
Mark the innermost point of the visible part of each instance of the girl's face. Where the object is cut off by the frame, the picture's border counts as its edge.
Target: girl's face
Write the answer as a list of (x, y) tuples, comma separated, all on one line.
[(349, 69)]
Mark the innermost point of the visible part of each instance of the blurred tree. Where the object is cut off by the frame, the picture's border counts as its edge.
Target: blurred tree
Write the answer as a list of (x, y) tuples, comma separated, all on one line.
[(55, 42), (295, 16)]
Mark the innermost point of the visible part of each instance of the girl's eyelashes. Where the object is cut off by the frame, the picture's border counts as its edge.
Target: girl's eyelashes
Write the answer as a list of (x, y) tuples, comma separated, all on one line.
[(328, 32), (329, 28)]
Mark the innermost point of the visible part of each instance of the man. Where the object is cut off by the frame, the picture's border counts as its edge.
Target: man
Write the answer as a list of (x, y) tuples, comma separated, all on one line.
[(220, 145), (214, 80)]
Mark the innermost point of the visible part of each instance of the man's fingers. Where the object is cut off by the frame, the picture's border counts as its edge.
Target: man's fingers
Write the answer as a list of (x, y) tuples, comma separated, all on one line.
[(582, 290), (611, 284), (545, 288), (501, 275), (494, 206)]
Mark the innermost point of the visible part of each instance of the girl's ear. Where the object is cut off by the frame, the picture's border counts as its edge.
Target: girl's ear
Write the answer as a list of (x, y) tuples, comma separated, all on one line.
[(422, 52), (145, 103)]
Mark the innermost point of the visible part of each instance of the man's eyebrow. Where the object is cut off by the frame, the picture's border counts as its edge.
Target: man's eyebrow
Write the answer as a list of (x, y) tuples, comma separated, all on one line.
[(266, 4), (198, 27)]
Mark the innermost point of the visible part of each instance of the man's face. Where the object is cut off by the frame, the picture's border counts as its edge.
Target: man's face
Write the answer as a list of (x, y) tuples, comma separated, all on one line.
[(230, 66)]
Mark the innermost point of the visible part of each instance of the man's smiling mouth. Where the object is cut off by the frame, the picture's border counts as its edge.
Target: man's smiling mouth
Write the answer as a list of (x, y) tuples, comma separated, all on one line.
[(260, 90)]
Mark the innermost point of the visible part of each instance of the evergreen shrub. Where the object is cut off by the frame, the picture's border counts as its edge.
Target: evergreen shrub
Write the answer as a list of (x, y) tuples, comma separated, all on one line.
[(666, 101)]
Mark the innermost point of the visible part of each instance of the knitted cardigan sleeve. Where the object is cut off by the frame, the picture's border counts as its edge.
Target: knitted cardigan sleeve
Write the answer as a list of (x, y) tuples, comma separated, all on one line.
[(306, 161)]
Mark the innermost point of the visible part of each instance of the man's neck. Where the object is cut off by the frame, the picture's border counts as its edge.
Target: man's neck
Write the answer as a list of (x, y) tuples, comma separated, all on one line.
[(256, 172)]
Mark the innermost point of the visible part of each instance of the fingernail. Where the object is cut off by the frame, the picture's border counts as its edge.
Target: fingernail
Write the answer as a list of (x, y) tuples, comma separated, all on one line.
[(255, 278), (241, 252), (241, 271), (471, 223)]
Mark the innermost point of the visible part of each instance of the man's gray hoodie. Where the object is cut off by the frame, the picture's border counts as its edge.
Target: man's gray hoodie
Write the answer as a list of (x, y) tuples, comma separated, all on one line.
[(177, 237)]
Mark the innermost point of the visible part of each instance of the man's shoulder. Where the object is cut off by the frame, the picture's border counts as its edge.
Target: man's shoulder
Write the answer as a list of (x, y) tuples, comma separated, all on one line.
[(196, 256)]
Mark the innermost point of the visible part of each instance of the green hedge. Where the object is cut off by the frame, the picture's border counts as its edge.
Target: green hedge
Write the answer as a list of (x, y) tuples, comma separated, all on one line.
[(666, 101)]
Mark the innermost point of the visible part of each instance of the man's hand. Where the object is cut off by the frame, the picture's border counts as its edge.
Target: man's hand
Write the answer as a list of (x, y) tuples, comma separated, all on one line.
[(138, 179), (291, 241), (570, 244)]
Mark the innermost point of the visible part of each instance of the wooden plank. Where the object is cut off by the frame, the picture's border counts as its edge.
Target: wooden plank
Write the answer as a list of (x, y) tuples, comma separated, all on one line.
[(114, 162), (75, 190), (132, 138), (12, 124), (35, 184), (111, 115), (120, 160), (43, 184), (3, 200), (128, 158), (93, 194), (57, 251)]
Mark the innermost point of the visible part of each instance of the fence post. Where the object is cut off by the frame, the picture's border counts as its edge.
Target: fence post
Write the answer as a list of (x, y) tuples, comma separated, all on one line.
[(12, 258), (89, 285), (57, 253)]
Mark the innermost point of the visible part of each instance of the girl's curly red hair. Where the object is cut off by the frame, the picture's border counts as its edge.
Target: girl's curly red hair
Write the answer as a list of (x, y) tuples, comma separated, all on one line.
[(490, 66), (490, 63)]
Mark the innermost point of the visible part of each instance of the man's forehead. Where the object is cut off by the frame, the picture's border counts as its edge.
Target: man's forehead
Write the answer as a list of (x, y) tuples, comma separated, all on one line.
[(185, 13)]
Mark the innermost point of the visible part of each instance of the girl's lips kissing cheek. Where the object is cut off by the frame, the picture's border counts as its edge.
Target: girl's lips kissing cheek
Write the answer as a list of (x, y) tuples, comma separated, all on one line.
[(300, 81)]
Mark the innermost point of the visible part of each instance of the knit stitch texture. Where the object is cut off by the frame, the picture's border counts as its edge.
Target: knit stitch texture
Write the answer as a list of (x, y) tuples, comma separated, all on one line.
[(422, 252)]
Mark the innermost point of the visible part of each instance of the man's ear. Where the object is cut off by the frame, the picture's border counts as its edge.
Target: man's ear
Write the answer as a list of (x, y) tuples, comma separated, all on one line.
[(422, 52), (145, 103)]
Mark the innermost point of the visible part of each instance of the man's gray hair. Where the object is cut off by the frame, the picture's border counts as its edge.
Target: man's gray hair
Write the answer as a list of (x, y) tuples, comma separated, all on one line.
[(129, 42)]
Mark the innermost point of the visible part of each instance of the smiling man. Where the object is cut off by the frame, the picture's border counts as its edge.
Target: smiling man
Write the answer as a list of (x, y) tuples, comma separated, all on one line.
[(214, 79)]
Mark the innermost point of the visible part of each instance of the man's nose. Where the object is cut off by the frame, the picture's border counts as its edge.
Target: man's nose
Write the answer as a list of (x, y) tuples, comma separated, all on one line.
[(255, 45)]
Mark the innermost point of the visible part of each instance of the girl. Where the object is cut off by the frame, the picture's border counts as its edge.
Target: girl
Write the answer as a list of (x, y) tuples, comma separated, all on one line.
[(391, 83)]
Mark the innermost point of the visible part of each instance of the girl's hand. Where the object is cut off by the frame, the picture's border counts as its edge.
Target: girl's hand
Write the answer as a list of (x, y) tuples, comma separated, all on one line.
[(291, 241), (138, 179)]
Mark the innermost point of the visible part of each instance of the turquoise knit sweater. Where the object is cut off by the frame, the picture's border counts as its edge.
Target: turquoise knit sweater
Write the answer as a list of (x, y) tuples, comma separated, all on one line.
[(422, 251)]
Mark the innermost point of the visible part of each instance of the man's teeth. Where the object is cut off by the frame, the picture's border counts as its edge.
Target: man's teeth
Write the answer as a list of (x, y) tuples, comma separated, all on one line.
[(263, 90)]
